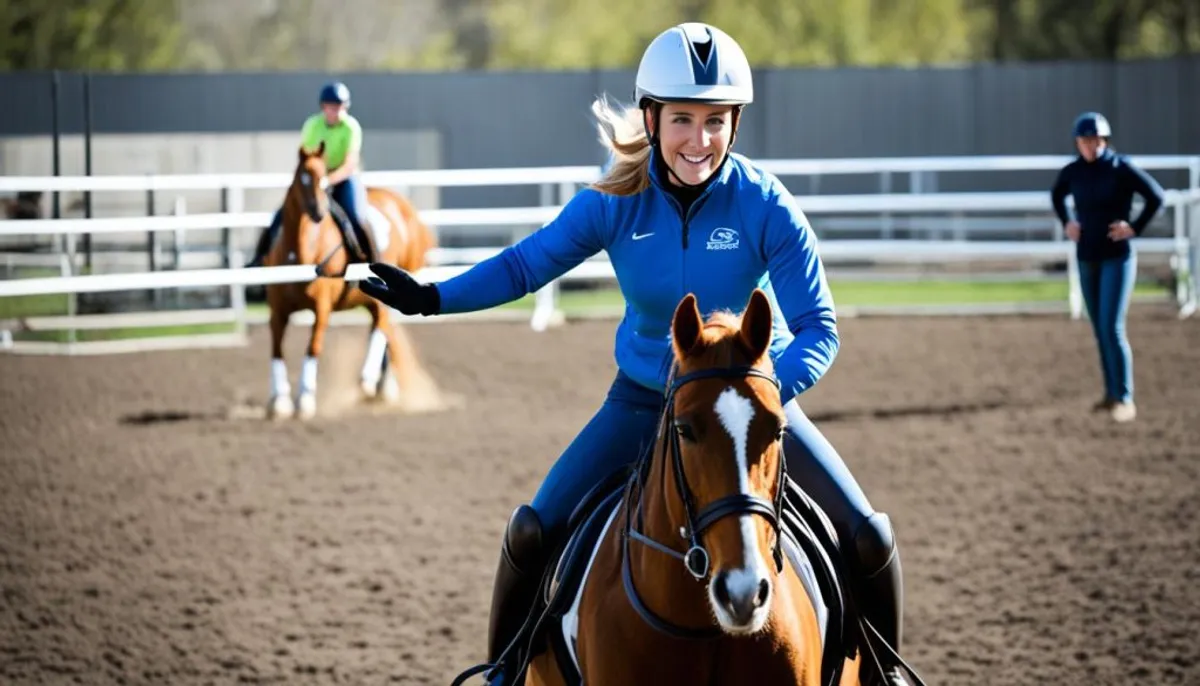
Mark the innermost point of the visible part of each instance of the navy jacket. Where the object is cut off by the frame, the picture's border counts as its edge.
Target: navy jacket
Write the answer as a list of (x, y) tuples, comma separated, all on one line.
[(1103, 192)]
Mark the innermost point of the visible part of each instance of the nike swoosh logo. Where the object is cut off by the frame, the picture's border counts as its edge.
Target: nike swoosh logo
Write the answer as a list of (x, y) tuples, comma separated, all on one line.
[(638, 237)]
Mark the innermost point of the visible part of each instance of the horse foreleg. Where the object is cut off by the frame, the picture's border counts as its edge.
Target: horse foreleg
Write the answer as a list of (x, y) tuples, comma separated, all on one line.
[(403, 372), (307, 401), (279, 405), (376, 360)]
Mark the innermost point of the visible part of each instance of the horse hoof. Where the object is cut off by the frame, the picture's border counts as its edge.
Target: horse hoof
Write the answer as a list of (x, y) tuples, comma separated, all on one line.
[(280, 407), (307, 408), (368, 389), (389, 389)]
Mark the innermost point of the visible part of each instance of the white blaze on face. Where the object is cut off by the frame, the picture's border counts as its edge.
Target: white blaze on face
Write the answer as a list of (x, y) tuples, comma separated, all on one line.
[(735, 413)]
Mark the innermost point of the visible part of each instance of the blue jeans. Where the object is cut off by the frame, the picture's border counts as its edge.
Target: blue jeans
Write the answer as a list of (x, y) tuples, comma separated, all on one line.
[(625, 427), (1107, 286)]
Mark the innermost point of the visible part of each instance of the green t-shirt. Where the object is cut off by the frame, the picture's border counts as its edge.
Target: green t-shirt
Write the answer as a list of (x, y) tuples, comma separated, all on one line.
[(340, 139)]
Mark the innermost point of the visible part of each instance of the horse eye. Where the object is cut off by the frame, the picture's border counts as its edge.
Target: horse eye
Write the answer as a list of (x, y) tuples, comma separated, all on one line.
[(685, 431), (305, 179)]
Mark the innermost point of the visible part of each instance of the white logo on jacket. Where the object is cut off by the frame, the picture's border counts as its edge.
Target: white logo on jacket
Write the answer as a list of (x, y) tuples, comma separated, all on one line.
[(723, 238)]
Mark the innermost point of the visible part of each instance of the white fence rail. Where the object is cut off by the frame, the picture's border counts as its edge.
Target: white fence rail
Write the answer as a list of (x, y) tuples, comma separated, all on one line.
[(579, 174), (1184, 246)]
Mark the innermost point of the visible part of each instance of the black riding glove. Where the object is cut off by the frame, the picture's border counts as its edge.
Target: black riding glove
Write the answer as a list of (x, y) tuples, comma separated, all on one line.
[(397, 289)]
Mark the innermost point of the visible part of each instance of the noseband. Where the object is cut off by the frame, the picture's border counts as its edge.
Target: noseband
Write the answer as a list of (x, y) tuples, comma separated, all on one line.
[(696, 558)]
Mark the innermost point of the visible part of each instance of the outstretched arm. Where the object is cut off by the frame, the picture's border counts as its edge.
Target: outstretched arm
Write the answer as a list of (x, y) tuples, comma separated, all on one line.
[(573, 236), (798, 278)]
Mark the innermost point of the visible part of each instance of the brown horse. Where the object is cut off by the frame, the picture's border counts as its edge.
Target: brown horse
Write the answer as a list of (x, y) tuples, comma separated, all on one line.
[(695, 536), (310, 236)]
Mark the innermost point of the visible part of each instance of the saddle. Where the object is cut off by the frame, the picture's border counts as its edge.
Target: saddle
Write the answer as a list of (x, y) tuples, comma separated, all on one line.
[(810, 536), (360, 246)]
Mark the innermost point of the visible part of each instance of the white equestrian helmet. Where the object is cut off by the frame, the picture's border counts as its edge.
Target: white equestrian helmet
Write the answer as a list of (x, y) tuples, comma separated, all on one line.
[(694, 62)]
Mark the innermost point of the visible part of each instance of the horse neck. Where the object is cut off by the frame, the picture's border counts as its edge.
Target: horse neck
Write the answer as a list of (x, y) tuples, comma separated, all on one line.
[(295, 225), (664, 582)]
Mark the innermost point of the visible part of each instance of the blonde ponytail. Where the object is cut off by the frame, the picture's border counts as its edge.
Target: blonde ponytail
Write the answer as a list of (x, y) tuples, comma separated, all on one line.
[(623, 134)]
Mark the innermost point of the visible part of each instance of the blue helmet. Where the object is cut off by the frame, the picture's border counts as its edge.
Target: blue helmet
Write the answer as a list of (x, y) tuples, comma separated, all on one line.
[(1091, 124), (336, 93)]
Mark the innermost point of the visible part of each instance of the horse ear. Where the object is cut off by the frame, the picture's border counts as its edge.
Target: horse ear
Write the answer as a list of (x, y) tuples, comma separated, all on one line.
[(685, 327), (303, 154), (756, 324), (321, 149)]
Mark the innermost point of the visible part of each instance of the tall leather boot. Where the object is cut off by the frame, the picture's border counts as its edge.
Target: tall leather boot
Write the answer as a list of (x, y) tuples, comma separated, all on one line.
[(518, 578), (262, 248), (879, 595), (366, 241)]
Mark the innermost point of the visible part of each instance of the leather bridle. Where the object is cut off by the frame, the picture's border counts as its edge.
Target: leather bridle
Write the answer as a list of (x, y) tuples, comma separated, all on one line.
[(696, 558)]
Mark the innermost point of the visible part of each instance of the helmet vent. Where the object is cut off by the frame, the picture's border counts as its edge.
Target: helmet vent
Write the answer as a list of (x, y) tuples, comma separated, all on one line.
[(704, 65)]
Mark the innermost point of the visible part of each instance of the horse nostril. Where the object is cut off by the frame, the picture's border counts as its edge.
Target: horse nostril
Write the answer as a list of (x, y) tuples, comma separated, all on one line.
[(764, 592), (722, 590)]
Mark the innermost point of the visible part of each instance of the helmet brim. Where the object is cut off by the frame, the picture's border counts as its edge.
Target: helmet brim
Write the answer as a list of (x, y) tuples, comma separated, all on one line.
[(708, 95)]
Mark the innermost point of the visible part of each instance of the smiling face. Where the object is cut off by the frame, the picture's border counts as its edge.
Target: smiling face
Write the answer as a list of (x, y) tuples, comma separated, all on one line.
[(694, 139)]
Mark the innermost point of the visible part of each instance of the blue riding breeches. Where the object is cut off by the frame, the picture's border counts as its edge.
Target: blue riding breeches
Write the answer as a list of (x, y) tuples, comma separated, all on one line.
[(1107, 286), (626, 426)]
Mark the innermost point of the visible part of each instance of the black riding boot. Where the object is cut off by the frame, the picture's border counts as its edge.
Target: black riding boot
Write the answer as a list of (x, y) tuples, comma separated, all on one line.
[(879, 595), (262, 248), (366, 242), (518, 579)]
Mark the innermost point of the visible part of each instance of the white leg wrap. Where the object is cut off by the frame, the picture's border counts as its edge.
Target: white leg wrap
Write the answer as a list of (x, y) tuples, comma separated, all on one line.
[(373, 363), (308, 376), (279, 379)]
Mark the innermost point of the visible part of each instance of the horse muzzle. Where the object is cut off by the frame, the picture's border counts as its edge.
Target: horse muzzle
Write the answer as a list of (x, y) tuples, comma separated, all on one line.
[(741, 598)]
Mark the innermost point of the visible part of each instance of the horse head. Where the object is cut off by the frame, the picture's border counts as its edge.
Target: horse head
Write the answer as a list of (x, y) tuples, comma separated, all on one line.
[(310, 183), (724, 426)]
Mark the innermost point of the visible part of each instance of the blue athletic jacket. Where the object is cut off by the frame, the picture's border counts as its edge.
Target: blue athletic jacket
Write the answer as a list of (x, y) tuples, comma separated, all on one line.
[(744, 225), (1103, 192)]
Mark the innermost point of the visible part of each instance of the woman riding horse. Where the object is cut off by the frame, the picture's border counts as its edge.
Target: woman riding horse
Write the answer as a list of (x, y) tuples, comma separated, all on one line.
[(677, 212), (342, 135)]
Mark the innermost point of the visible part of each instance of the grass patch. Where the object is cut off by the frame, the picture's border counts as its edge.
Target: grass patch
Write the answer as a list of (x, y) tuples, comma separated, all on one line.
[(34, 305), (876, 293), (846, 293), (83, 335)]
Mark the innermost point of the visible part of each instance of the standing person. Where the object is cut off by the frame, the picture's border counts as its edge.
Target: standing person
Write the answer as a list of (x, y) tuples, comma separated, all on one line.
[(1103, 182), (677, 212)]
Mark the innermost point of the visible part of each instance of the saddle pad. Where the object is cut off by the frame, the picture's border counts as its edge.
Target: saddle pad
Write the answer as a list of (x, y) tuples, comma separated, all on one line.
[(570, 620), (380, 227), (808, 579)]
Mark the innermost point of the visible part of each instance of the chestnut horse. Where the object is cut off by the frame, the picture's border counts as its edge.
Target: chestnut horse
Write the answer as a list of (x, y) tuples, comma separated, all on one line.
[(703, 563), (309, 236), (714, 483)]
